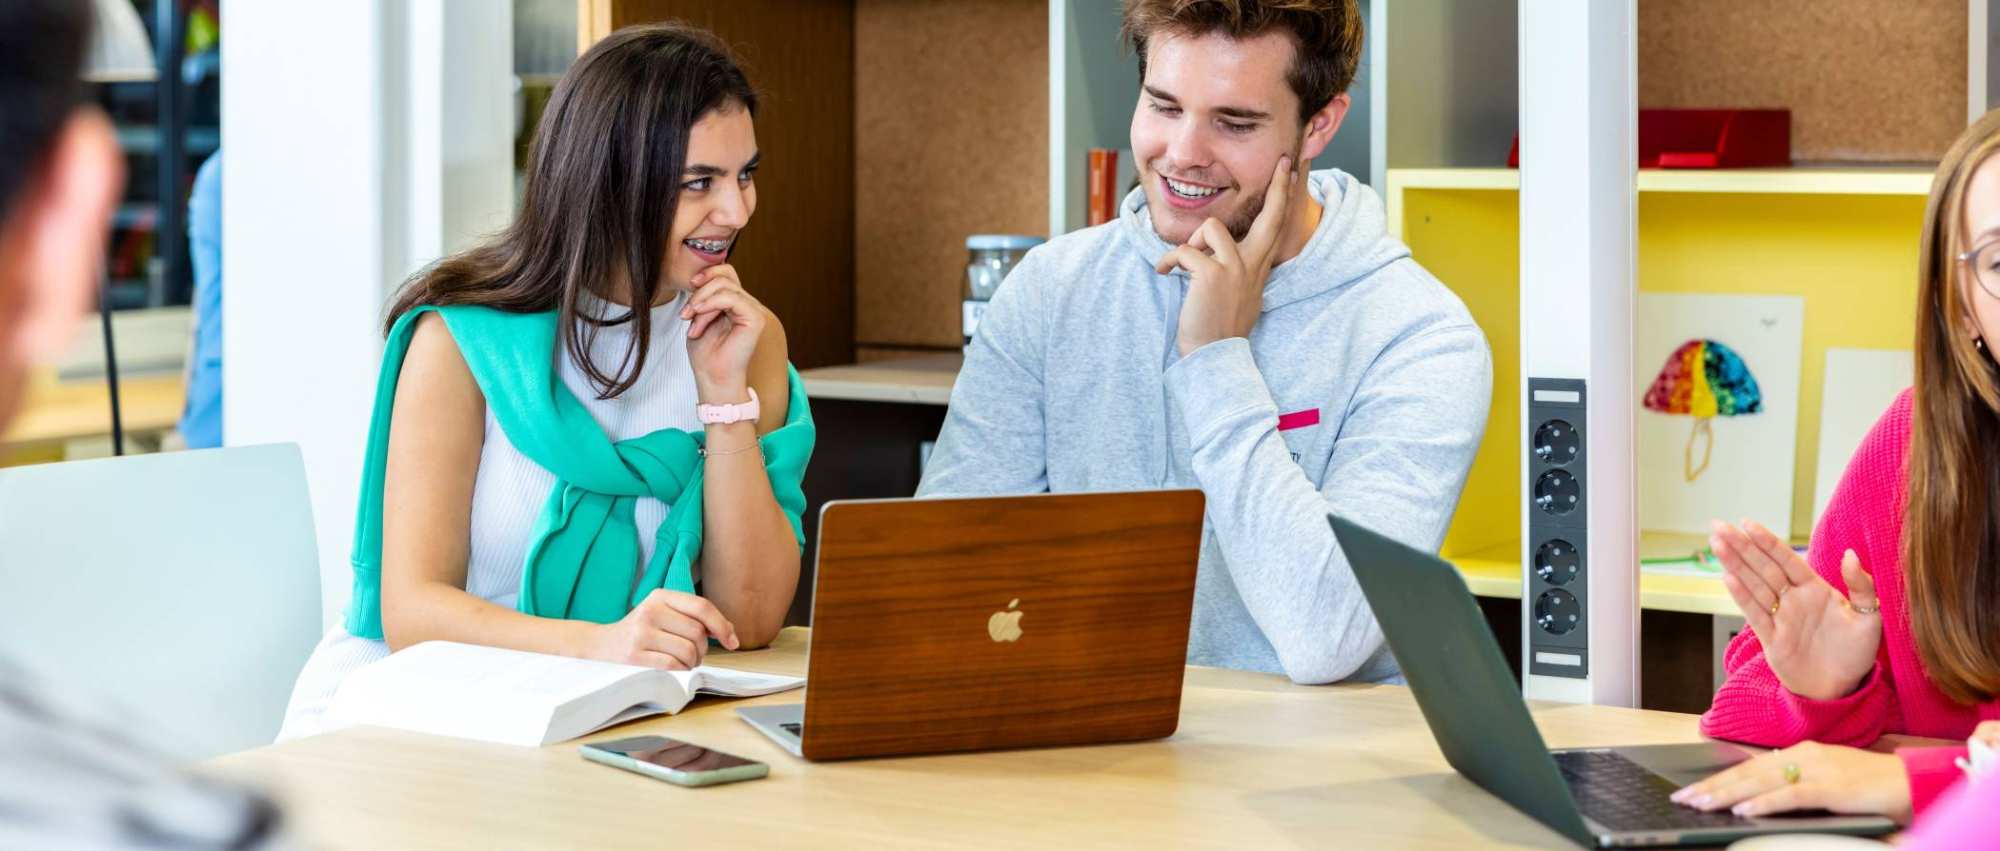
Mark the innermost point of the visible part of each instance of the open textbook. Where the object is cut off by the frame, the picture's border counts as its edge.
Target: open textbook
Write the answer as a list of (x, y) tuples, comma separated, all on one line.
[(520, 698)]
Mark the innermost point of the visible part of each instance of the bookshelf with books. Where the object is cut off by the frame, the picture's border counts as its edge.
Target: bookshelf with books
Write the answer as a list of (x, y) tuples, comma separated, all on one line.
[(139, 276)]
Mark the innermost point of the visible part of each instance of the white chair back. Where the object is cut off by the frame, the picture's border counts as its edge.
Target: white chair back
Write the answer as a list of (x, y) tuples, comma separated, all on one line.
[(181, 589)]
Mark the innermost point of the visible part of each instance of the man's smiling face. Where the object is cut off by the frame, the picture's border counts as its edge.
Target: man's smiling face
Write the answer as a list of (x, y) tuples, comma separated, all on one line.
[(1214, 116)]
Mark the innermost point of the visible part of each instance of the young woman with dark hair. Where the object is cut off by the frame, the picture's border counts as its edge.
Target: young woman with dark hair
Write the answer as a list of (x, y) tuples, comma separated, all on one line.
[(587, 440)]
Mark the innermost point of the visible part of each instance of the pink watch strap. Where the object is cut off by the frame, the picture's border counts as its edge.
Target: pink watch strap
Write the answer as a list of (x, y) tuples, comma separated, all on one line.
[(725, 414)]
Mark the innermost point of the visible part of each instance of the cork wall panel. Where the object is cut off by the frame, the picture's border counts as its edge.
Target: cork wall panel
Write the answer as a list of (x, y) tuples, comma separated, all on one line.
[(951, 139), (797, 255), (1865, 80)]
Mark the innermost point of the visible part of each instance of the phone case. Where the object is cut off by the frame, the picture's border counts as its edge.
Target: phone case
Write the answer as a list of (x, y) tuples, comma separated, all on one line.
[(718, 776)]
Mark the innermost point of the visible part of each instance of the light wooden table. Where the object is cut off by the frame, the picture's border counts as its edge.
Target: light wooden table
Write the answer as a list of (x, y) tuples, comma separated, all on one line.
[(53, 413), (1258, 762)]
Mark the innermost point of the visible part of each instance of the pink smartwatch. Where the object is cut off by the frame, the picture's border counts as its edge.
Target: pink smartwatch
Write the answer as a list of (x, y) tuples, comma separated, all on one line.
[(726, 414)]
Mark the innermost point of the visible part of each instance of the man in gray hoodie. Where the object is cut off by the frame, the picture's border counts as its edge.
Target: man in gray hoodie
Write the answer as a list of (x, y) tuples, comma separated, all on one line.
[(1240, 328)]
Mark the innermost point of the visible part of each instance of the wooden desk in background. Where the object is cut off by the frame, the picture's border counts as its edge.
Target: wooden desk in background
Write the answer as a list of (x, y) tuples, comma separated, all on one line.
[(1258, 762), (916, 380), (54, 413), (873, 420)]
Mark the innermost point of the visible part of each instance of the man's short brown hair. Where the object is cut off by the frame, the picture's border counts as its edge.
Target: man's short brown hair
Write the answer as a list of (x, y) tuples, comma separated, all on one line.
[(1326, 34)]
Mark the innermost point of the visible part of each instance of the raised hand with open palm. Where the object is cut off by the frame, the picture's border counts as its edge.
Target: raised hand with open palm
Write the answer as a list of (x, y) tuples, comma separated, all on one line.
[(1820, 644)]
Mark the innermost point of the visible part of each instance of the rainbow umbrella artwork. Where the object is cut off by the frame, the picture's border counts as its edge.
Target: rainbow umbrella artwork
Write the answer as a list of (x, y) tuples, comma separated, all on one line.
[(1703, 379)]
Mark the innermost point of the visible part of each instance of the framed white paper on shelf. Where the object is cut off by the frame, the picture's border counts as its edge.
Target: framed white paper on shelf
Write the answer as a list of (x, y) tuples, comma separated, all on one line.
[(1718, 413), (1860, 385)]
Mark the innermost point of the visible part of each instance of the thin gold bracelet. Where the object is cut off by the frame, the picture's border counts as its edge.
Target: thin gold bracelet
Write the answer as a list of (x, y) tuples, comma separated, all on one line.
[(710, 453)]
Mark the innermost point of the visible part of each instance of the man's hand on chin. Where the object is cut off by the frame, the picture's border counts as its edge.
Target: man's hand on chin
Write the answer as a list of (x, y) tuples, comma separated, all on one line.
[(1226, 278)]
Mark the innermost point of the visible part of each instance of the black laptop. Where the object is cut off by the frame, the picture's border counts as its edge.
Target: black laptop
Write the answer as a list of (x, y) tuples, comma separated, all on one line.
[(1604, 797)]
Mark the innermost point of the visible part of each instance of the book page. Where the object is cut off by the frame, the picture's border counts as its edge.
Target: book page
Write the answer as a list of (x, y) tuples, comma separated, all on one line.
[(450, 668), (471, 691), (516, 697), (733, 683), (703, 680)]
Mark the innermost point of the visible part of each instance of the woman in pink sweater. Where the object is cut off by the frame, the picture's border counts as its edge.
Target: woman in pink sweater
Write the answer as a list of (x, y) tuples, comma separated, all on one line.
[(1968, 816), (1892, 625)]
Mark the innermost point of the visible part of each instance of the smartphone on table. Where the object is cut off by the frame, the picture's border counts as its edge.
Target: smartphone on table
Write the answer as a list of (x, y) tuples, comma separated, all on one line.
[(677, 762)]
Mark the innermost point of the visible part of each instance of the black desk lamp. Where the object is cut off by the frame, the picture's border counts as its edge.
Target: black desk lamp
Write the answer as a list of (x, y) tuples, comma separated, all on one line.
[(121, 53)]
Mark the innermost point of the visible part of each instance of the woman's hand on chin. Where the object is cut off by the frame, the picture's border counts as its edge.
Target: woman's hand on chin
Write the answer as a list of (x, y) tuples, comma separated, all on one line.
[(725, 324)]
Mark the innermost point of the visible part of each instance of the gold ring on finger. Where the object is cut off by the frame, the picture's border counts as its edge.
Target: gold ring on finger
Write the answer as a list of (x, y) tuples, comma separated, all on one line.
[(1791, 773), (1774, 606)]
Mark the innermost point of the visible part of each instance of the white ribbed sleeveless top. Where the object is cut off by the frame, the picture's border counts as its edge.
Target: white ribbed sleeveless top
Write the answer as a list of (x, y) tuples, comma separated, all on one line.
[(511, 489)]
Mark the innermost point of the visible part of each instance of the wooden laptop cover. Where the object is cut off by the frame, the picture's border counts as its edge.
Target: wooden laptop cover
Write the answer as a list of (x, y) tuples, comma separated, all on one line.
[(911, 621)]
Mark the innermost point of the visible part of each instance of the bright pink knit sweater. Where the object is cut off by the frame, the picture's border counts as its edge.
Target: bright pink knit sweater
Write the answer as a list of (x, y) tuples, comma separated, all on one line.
[(1865, 515)]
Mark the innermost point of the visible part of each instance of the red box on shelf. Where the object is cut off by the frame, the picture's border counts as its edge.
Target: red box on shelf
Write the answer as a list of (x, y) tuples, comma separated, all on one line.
[(1707, 138)]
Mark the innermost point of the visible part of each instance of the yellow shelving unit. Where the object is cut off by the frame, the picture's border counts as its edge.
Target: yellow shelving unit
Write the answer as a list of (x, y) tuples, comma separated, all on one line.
[(1844, 238), (1798, 180)]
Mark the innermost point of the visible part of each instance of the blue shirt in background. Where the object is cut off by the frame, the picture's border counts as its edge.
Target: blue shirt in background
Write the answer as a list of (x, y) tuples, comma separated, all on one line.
[(201, 420)]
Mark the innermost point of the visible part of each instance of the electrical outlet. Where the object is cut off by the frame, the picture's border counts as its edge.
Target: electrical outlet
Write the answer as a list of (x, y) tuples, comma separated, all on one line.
[(1558, 580)]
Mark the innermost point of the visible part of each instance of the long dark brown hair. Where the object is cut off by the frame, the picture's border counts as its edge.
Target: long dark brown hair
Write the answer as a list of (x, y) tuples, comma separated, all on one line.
[(603, 181), (1951, 539)]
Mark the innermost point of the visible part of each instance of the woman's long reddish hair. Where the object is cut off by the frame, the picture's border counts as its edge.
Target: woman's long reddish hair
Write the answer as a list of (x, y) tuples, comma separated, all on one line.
[(1951, 539)]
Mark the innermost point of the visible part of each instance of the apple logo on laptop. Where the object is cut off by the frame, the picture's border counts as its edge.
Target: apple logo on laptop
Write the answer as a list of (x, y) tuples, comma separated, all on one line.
[(1005, 626)]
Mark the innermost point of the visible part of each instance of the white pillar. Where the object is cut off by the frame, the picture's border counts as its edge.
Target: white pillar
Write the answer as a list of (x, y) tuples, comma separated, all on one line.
[(1982, 60), (1578, 113), (361, 141), (458, 114)]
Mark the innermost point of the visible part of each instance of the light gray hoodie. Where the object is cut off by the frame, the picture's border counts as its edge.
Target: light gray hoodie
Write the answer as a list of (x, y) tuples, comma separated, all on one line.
[(1073, 383)]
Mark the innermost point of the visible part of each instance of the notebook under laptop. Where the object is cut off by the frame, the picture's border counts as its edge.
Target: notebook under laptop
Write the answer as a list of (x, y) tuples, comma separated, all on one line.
[(976, 624), (1607, 797)]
